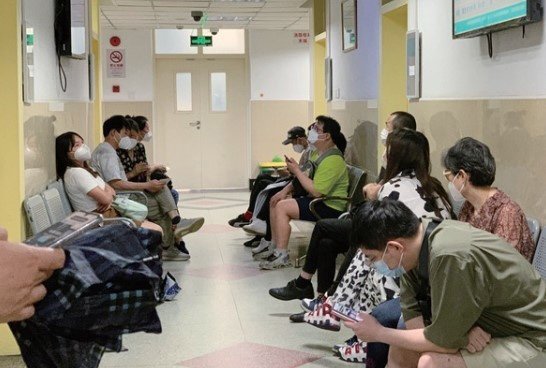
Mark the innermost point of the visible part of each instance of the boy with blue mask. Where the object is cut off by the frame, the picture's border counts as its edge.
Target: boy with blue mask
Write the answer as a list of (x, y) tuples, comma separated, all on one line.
[(476, 281)]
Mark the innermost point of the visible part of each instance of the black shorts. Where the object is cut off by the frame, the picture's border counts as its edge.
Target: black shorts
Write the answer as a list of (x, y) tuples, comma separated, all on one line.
[(321, 208)]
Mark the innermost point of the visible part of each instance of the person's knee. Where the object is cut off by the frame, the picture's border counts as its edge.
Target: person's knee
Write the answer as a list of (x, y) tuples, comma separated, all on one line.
[(288, 208), (399, 358), (430, 360)]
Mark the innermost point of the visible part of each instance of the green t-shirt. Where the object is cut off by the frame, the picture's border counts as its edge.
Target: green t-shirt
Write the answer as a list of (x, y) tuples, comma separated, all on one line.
[(478, 279), (332, 179)]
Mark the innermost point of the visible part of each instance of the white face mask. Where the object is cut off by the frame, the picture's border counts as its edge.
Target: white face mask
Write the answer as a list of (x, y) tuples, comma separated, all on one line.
[(313, 137), (298, 148), (83, 153), (127, 143), (147, 137), (454, 192), (384, 135)]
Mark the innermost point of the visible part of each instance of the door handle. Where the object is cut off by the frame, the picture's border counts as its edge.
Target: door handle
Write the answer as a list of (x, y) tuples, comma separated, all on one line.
[(196, 124)]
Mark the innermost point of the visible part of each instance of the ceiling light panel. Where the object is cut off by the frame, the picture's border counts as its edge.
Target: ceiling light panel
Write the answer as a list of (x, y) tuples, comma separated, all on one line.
[(250, 14)]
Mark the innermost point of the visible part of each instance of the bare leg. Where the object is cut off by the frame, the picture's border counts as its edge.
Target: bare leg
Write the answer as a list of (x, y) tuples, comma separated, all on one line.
[(402, 358), (399, 357), (272, 214), (437, 360), (285, 210), (151, 226)]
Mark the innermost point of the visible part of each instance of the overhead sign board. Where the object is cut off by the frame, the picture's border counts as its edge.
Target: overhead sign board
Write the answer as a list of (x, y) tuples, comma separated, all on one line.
[(201, 41)]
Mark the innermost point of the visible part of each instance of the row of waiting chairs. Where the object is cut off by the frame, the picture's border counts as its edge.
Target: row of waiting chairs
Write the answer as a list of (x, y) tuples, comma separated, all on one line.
[(52, 205), (539, 237), (48, 207)]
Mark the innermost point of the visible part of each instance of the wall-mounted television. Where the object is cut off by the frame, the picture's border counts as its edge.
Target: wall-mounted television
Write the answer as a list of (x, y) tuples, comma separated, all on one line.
[(473, 18), (71, 28)]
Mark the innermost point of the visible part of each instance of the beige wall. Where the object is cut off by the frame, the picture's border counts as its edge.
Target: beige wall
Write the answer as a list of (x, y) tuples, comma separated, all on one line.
[(270, 122), (42, 123), (515, 132), (144, 108), (359, 124)]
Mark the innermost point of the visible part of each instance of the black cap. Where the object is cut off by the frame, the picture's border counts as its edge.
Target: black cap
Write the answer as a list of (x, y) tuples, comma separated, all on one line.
[(295, 132)]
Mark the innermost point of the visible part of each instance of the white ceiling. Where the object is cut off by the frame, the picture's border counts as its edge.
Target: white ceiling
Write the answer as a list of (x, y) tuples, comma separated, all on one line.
[(248, 14)]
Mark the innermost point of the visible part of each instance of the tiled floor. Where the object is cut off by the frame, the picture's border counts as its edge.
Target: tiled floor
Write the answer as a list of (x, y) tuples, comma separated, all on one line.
[(224, 316)]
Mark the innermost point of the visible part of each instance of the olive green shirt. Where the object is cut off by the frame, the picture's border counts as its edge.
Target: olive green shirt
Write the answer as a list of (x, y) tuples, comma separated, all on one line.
[(478, 279)]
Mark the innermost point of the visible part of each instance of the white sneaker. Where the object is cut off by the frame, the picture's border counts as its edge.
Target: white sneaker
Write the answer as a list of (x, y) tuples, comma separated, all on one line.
[(263, 250), (256, 227), (173, 254), (276, 260), (187, 226)]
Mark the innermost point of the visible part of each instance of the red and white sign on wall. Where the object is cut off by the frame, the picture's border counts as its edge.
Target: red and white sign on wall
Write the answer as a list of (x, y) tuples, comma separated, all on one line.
[(116, 63), (301, 37)]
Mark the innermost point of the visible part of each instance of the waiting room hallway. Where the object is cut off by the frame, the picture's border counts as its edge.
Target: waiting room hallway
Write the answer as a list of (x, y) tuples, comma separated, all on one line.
[(224, 316)]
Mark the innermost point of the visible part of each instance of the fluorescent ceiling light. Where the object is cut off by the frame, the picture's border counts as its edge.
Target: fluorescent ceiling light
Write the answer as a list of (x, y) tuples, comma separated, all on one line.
[(228, 18)]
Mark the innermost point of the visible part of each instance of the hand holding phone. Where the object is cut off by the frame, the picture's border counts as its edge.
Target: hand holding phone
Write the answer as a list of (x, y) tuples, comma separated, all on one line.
[(345, 313)]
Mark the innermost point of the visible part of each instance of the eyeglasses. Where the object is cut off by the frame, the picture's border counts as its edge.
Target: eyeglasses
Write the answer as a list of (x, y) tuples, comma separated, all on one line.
[(316, 128), (447, 174)]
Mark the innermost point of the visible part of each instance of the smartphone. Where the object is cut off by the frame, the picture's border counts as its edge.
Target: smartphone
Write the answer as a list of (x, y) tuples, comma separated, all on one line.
[(59, 234), (345, 313)]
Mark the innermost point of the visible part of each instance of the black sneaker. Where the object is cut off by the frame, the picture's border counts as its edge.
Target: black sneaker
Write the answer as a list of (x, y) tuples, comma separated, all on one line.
[(181, 246), (254, 242), (297, 317), (291, 291), (239, 221)]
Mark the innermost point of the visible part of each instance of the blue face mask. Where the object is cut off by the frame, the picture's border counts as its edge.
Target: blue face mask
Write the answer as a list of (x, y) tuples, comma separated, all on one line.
[(381, 267)]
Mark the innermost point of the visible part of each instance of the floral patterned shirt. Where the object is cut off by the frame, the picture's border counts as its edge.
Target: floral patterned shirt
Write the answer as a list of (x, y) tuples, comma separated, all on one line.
[(503, 217), (139, 155)]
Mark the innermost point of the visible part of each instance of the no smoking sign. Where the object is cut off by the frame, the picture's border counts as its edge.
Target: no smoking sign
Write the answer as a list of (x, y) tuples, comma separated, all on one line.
[(116, 63), (116, 57)]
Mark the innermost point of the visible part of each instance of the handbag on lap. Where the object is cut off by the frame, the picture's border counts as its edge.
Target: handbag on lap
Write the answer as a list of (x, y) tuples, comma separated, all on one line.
[(131, 209)]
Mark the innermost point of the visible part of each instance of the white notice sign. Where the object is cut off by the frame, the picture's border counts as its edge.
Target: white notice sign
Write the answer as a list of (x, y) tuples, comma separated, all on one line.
[(116, 63)]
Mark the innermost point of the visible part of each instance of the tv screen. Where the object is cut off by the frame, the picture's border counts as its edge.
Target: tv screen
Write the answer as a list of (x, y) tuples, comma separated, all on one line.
[(70, 28), (477, 17)]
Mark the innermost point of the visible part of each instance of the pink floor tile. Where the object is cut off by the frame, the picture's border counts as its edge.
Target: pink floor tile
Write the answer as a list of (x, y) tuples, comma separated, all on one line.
[(224, 272), (217, 229), (250, 355)]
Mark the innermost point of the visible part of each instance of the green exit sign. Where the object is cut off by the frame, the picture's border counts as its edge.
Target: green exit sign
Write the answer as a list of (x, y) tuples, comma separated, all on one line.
[(201, 40)]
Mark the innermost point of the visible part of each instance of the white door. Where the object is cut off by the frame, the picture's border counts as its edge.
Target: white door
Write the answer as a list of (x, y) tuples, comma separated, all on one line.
[(200, 127)]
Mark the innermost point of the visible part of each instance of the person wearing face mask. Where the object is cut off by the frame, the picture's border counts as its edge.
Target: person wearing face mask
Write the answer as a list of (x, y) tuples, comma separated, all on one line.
[(134, 159), (85, 188), (250, 220), (473, 278), (396, 120), (161, 207), (484, 207), (137, 167), (330, 179), (470, 172)]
